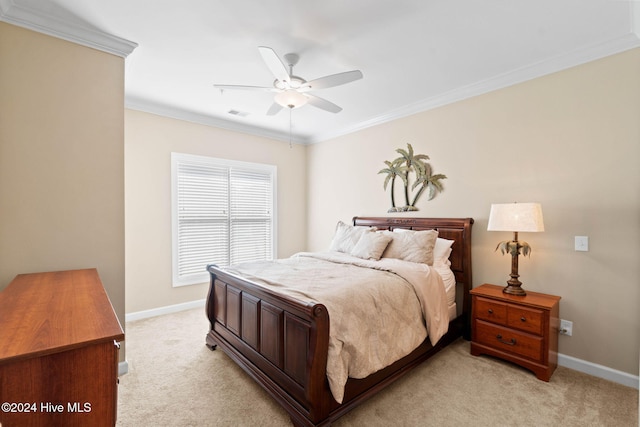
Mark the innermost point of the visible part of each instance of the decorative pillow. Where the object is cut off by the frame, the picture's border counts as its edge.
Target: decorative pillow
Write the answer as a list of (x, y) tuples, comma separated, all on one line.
[(441, 251), (371, 245), (346, 237), (414, 246)]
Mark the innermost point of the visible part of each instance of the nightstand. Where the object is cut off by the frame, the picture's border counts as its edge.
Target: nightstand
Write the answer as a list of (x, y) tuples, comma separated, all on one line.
[(520, 329)]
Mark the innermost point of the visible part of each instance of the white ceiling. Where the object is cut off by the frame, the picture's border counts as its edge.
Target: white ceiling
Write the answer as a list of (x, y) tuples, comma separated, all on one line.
[(414, 54)]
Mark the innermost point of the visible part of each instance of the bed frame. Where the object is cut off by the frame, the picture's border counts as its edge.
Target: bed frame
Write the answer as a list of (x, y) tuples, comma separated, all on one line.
[(283, 342)]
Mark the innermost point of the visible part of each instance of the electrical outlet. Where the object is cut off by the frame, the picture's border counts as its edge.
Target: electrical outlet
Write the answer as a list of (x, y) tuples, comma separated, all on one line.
[(566, 327)]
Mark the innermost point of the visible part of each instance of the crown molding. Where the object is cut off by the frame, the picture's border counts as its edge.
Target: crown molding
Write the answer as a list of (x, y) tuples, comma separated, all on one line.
[(76, 32), (553, 65), (140, 104), (542, 68)]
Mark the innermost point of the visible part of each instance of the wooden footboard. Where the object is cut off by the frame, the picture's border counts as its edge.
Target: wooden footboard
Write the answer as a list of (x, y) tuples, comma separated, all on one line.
[(283, 343)]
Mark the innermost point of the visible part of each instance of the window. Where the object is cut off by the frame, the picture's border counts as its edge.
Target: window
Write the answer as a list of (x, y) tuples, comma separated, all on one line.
[(223, 213)]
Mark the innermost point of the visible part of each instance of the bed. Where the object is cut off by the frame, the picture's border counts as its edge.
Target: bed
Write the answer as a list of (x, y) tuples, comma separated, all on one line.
[(283, 342)]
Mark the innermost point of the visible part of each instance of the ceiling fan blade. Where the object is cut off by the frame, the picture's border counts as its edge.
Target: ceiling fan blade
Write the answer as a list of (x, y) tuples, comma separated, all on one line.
[(323, 104), (332, 80), (274, 109), (274, 63), (242, 87)]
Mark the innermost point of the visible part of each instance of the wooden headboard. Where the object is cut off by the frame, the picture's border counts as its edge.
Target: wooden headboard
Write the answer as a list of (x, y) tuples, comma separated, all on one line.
[(457, 229)]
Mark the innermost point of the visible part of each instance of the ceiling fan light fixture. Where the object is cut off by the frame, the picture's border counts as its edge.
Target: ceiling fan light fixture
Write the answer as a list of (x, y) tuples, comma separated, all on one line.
[(291, 98)]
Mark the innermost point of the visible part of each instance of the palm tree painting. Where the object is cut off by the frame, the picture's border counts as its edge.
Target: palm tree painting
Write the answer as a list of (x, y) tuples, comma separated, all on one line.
[(424, 179)]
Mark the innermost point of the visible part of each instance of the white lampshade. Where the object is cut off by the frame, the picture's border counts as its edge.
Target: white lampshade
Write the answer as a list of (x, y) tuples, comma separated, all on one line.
[(291, 98), (525, 217)]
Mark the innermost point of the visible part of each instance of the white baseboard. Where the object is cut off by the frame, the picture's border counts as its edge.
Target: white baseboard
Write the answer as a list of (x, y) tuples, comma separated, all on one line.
[(570, 362), (144, 314), (599, 371)]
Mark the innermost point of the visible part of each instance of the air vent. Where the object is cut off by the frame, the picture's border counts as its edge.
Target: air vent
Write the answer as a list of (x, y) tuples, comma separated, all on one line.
[(238, 113)]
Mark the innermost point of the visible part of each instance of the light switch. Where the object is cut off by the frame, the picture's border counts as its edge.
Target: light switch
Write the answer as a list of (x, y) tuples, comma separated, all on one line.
[(582, 243)]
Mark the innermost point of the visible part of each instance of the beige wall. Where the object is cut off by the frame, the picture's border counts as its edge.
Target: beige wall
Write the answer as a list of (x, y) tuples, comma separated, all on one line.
[(61, 159), (150, 139), (570, 141)]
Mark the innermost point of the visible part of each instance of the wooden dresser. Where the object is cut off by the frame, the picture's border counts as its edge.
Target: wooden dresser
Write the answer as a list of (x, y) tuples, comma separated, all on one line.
[(59, 348), (520, 329)]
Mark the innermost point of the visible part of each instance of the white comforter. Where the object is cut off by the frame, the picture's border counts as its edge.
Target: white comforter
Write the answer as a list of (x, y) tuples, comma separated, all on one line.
[(377, 309)]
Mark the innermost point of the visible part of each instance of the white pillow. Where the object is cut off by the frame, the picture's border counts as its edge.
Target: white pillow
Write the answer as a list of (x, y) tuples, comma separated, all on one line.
[(371, 246), (346, 237), (414, 246), (441, 251)]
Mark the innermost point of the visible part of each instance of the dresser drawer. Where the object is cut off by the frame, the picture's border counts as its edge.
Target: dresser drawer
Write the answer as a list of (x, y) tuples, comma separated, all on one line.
[(490, 310), (509, 340), (525, 319)]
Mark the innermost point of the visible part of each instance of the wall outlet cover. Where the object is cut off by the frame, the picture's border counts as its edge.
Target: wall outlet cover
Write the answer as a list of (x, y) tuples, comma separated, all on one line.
[(582, 243)]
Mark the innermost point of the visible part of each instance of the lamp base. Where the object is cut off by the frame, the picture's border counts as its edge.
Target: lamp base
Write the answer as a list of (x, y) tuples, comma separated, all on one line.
[(514, 286), (513, 290)]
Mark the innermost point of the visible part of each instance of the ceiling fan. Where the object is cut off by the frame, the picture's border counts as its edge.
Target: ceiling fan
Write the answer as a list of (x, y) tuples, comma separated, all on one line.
[(293, 91)]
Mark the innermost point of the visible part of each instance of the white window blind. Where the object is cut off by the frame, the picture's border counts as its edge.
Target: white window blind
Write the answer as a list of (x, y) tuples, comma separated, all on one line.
[(223, 213)]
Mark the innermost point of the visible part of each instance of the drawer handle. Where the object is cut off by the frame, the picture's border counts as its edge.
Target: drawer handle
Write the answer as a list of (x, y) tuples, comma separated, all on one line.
[(524, 319), (490, 311), (510, 342)]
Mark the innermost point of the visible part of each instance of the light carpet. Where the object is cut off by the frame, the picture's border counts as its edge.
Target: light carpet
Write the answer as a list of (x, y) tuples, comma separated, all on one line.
[(175, 380)]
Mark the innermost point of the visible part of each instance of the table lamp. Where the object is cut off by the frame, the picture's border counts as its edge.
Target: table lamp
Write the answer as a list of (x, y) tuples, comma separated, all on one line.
[(516, 217)]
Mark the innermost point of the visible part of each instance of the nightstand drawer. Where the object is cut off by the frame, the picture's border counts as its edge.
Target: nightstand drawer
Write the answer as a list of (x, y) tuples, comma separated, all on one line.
[(491, 311), (508, 340), (525, 319)]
